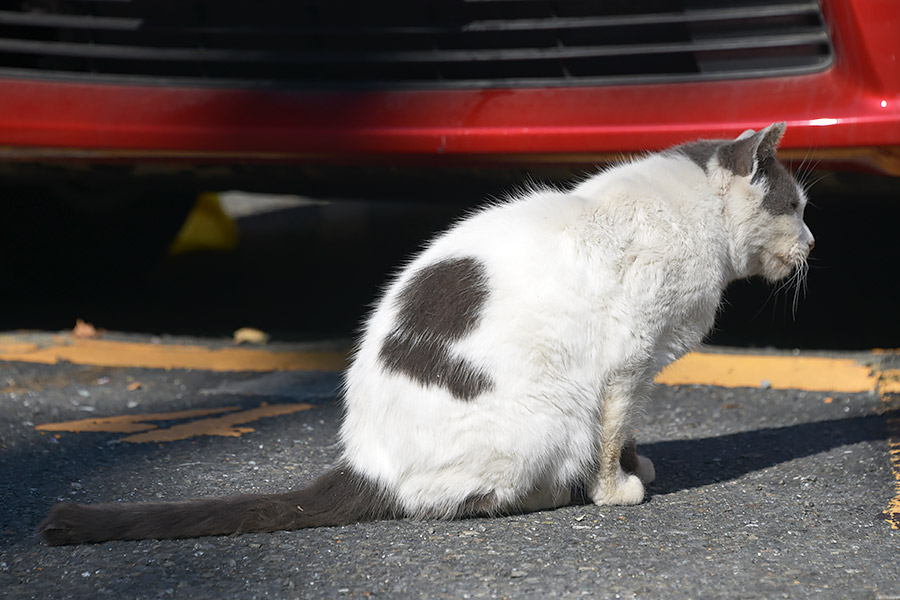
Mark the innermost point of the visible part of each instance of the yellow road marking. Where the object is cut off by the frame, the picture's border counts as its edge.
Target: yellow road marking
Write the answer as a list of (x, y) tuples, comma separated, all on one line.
[(168, 356), (889, 382), (221, 426), (892, 512), (889, 387), (698, 368), (130, 423), (779, 372)]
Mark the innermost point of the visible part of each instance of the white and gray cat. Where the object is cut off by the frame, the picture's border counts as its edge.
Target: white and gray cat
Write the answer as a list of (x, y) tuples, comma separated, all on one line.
[(506, 362)]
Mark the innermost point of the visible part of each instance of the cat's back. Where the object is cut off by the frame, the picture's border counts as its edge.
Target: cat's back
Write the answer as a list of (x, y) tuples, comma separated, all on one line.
[(525, 242), (531, 222), (549, 258)]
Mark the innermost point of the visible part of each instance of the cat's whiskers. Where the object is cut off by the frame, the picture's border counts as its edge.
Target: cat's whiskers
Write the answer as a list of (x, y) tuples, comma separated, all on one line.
[(798, 282), (808, 185), (814, 263), (798, 172), (794, 285), (805, 170)]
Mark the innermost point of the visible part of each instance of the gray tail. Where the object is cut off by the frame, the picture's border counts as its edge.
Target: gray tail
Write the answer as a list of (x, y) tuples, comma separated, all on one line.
[(337, 498)]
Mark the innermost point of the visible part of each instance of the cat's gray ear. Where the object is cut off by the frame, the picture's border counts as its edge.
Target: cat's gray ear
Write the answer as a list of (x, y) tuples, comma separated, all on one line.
[(744, 154), (771, 135)]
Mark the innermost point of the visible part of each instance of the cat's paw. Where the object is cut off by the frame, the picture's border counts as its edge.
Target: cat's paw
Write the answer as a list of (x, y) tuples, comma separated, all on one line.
[(625, 490), (645, 471)]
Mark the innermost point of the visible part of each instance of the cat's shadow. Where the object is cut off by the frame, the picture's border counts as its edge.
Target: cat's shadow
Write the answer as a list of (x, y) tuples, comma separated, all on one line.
[(695, 462), (681, 464), (690, 463)]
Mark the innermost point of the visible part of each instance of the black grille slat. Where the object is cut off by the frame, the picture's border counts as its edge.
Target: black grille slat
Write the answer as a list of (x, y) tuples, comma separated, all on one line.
[(406, 43), (551, 23), (802, 8), (62, 49), (73, 21)]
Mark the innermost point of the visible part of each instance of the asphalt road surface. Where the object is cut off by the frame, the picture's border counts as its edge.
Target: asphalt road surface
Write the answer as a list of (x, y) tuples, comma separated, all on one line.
[(762, 492), (778, 471)]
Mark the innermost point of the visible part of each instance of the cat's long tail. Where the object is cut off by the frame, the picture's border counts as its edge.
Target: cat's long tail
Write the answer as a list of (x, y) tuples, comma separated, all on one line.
[(336, 498)]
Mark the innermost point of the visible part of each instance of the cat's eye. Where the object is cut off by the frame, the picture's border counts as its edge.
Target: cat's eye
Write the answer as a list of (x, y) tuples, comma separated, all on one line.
[(795, 205)]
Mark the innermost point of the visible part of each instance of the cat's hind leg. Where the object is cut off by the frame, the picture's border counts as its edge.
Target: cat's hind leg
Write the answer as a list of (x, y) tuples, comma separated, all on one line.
[(611, 484), (545, 499)]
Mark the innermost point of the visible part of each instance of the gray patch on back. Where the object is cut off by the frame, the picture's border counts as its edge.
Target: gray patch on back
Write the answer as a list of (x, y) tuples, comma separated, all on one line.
[(782, 195), (440, 304)]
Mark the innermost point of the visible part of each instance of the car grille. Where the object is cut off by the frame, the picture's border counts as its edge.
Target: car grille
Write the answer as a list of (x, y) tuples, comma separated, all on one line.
[(439, 44)]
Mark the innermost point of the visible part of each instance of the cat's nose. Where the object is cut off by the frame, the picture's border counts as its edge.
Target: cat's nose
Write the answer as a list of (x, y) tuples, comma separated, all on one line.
[(810, 239)]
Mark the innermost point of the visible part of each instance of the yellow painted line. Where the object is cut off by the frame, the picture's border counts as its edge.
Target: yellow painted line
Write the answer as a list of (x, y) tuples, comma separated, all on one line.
[(224, 426), (889, 387), (890, 381), (892, 512), (838, 375), (130, 423), (169, 356), (698, 368)]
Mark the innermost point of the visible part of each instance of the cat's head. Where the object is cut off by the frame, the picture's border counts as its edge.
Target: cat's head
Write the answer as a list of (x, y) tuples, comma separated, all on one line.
[(764, 204)]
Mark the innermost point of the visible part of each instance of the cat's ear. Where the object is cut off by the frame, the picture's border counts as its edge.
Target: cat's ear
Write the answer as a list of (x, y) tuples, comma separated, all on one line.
[(744, 154), (771, 136)]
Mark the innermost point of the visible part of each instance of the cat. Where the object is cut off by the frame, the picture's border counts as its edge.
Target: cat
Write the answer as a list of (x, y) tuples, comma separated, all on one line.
[(506, 362)]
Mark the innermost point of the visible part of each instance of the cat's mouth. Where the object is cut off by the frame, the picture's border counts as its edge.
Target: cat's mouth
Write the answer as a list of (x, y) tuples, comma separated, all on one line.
[(791, 270), (781, 265), (777, 266)]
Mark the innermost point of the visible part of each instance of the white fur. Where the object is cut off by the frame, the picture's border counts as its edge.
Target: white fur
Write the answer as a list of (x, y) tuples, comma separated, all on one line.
[(592, 291)]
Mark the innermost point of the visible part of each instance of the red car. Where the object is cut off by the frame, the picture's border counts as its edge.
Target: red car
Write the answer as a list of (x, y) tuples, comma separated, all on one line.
[(441, 83), (332, 97)]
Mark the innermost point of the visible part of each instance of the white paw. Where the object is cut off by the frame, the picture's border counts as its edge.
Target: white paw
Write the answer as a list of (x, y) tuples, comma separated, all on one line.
[(645, 471), (627, 490)]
